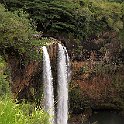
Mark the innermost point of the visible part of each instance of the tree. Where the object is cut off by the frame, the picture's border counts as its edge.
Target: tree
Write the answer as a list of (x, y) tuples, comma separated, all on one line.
[(15, 31), (80, 19), (17, 34)]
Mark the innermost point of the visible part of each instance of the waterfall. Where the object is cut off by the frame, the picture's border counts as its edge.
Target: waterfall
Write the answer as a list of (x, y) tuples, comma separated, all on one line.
[(62, 105), (69, 72), (63, 76), (48, 86)]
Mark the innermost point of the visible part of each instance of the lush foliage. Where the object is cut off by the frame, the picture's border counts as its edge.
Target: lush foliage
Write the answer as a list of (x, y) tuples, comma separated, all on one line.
[(17, 37), (17, 34), (12, 113), (15, 30), (4, 80), (80, 19), (89, 21)]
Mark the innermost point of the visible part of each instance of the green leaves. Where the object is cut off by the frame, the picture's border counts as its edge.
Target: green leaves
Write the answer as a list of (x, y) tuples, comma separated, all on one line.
[(72, 16), (12, 113), (80, 19), (15, 29), (4, 81), (16, 33)]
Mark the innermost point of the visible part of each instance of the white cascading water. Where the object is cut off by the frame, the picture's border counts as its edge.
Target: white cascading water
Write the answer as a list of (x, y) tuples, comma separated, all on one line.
[(48, 86), (69, 72), (62, 105)]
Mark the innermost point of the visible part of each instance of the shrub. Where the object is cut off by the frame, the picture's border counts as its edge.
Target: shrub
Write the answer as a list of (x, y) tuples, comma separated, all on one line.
[(15, 30), (11, 113), (17, 34), (4, 81)]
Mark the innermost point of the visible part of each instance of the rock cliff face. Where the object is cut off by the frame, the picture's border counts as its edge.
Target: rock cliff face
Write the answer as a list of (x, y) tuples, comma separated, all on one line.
[(97, 78), (26, 75), (96, 87), (92, 87), (21, 74)]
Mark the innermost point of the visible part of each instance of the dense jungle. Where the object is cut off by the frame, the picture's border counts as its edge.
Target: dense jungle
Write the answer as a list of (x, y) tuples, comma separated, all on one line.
[(92, 32)]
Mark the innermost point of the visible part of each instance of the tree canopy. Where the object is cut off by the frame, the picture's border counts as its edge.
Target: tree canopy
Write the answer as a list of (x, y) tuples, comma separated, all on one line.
[(15, 30), (17, 33), (80, 19)]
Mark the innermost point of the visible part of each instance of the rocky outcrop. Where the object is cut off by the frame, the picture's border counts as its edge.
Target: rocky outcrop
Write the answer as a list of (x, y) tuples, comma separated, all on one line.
[(97, 86), (21, 75), (27, 74)]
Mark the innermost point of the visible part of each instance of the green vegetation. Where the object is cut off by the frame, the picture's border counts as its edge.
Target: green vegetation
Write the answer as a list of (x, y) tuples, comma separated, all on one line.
[(92, 30), (12, 113), (15, 30), (16, 37), (77, 23), (4, 80), (17, 34), (81, 19)]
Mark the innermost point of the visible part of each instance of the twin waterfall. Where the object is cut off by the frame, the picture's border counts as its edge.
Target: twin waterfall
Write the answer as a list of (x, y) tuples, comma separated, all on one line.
[(63, 76)]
